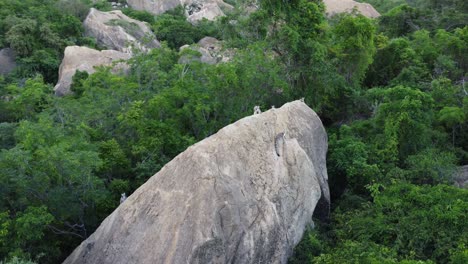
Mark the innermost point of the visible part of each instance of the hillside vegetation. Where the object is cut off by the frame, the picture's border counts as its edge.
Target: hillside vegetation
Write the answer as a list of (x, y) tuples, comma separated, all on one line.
[(391, 92)]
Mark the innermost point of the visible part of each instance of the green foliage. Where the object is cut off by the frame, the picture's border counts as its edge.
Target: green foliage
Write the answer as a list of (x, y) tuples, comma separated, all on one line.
[(77, 82), (354, 46), (418, 222), (139, 15), (390, 60), (35, 174), (102, 5), (404, 115), (173, 28), (400, 21), (30, 225), (115, 162), (459, 255), (39, 31), (451, 115), (7, 131), (431, 166), (362, 252), (29, 98), (75, 8), (276, 7), (348, 161), (20, 36), (238, 30), (400, 16), (16, 260), (309, 247)]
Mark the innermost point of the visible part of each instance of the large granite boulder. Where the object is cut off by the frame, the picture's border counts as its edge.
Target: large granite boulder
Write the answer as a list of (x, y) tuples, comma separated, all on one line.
[(85, 59), (116, 31), (243, 195), (7, 61), (195, 9), (341, 6)]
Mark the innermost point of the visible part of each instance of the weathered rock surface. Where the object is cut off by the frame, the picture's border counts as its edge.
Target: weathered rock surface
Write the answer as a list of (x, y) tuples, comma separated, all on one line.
[(195, 9), (211, 51), (341, 6), (461, 177), (85, 59), (227, 199), (116, 31), (7, 61)]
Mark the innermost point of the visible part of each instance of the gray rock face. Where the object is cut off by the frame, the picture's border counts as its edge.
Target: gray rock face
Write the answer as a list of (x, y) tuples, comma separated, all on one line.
[(195, 9), (461, 177), (7, 61), (154, 7), (227, 199), (342, 6), (85, 59), (211, 51), (116, 31)]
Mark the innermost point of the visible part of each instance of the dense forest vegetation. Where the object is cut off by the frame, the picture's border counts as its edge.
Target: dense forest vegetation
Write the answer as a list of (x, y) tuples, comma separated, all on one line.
[(391, 92)]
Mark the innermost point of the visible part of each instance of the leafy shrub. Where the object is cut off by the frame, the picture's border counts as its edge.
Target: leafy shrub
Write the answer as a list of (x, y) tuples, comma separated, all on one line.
[(418, 222), (139, 15)]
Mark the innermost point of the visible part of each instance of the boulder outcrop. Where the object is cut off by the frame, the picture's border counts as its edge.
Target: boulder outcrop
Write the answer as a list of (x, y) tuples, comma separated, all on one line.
[(341, 6), (7, 61), (85, 59), (210, 49), (116, 31), (195, 10), (243, 195)]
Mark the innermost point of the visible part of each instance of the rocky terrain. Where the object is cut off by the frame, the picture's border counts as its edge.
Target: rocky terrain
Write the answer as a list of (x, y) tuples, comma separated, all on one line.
[(243, 195), (85, 59), (195, 9), (340, 6), (210, 49), (113, 30), (116, 31), (7, 61)]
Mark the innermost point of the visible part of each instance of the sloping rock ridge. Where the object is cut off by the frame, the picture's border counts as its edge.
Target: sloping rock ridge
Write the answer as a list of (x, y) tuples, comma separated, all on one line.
[(243, 195), (116, 31), (195, 9), (7, 61), (85, 59), (346, 6)]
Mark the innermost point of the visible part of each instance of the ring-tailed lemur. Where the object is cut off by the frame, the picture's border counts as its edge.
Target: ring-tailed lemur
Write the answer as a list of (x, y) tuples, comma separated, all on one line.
[(257, 110), (279, 143)]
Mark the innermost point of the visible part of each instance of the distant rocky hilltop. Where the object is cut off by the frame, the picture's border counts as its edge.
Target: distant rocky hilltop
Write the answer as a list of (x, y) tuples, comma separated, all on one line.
[(116, 31), (345, 6), (195, 10), (243, 195), (112, 30)]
